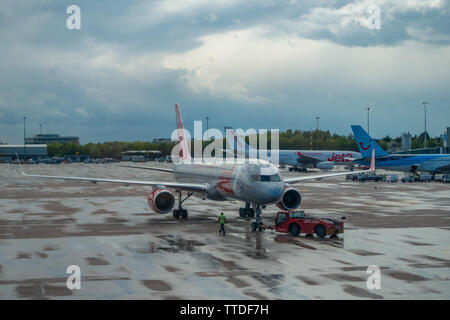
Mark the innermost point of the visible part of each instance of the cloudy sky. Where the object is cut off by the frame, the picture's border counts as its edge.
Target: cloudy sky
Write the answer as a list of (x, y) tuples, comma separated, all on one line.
[(261, 64)]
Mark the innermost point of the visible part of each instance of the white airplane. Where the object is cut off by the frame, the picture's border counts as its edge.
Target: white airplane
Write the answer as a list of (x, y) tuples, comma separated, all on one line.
[(254, 182), (298, 159)]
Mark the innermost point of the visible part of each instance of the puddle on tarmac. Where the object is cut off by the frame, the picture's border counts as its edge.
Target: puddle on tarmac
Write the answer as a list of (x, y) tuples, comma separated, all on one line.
[(270, 280), (177, 243), (310, 243)]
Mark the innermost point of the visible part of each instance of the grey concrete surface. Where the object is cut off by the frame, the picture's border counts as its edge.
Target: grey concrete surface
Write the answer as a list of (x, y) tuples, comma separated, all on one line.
[(125, 251)]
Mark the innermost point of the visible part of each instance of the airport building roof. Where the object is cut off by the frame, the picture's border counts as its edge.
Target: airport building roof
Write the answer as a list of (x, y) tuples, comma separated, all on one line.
[(31, 150), (140, 151), (434, 150), (49, 138)]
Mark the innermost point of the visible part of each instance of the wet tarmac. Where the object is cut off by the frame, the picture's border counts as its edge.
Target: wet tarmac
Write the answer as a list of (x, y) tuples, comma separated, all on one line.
[(125, 251)]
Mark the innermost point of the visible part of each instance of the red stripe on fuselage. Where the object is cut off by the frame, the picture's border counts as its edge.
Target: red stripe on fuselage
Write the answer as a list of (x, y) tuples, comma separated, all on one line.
[(225, 182)]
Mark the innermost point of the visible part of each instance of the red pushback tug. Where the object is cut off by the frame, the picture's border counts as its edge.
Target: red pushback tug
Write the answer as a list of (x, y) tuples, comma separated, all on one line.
[(296, 222)]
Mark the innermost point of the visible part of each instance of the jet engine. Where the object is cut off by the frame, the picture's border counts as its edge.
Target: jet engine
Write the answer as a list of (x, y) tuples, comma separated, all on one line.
[(290, 200), (325, 165), (161, 200)]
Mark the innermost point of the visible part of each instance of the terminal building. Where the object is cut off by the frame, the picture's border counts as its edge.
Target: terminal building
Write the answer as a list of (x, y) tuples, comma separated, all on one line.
[(406, 141), (49, 138), (406, 145), (141, 155), (35, 151)]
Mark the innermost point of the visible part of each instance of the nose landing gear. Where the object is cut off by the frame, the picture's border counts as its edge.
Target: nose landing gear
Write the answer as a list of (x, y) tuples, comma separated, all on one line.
[(257, 224)]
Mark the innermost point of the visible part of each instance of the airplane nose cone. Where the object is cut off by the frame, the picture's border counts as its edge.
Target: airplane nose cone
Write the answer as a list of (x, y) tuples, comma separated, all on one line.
[(273, 193)]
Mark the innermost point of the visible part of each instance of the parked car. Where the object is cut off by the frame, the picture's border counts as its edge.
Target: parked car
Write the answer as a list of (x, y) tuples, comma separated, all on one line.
[(409, 178), (415, 177), (425, 177), (56, 160), (393, 178)]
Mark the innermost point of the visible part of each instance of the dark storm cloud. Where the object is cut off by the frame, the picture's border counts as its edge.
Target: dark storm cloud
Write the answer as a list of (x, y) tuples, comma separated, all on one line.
[(118, 77)]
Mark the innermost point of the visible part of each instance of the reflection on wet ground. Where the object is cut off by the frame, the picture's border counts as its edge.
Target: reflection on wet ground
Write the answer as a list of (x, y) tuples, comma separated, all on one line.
[(126, 251)]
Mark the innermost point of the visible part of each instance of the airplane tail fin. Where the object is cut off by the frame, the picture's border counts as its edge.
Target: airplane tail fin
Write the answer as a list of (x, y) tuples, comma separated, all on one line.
[(183, 153), (231, 144), (239, 144), (366, 143)]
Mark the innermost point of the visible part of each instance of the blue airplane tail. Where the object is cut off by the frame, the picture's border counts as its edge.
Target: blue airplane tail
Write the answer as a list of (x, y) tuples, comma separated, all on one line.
[(366, 143)]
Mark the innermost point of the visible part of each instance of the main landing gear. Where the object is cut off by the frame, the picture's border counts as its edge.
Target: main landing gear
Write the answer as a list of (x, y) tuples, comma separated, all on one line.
[(298, 169), (181, 213), (246, 212)]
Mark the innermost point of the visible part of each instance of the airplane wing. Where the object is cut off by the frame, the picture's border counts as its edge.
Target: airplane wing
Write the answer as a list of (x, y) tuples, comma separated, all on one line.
[(148, 168), (193, 187), (305, 159), (304, 178)]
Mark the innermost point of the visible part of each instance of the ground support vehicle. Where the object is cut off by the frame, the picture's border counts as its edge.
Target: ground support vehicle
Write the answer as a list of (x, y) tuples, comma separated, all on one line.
[(297, 222)]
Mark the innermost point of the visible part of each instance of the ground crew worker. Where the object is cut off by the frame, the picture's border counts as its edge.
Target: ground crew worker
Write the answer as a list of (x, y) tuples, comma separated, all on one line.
[(222, 220)]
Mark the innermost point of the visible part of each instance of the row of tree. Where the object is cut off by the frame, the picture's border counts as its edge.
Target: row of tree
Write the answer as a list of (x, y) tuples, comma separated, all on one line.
[(105, 149), (289, 139)]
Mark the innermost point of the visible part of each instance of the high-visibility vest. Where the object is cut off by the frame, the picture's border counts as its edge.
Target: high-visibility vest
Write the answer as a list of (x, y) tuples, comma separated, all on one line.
[(222, 219)]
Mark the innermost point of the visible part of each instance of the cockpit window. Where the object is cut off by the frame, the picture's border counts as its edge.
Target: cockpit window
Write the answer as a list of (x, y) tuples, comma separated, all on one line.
[(270, 178)]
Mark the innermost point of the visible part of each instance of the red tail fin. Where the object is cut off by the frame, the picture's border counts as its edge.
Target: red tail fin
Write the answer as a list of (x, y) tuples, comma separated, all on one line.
[(184, 152)]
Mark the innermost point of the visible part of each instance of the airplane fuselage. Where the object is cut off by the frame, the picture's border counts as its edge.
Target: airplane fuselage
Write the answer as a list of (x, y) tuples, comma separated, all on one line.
[(293, 157), (257, 182), (435, 163)]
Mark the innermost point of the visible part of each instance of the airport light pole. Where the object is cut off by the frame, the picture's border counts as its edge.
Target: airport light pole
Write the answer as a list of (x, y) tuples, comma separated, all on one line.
[(425, 104), (368, 119), (317, 119), (207, 127), (24, 139)]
